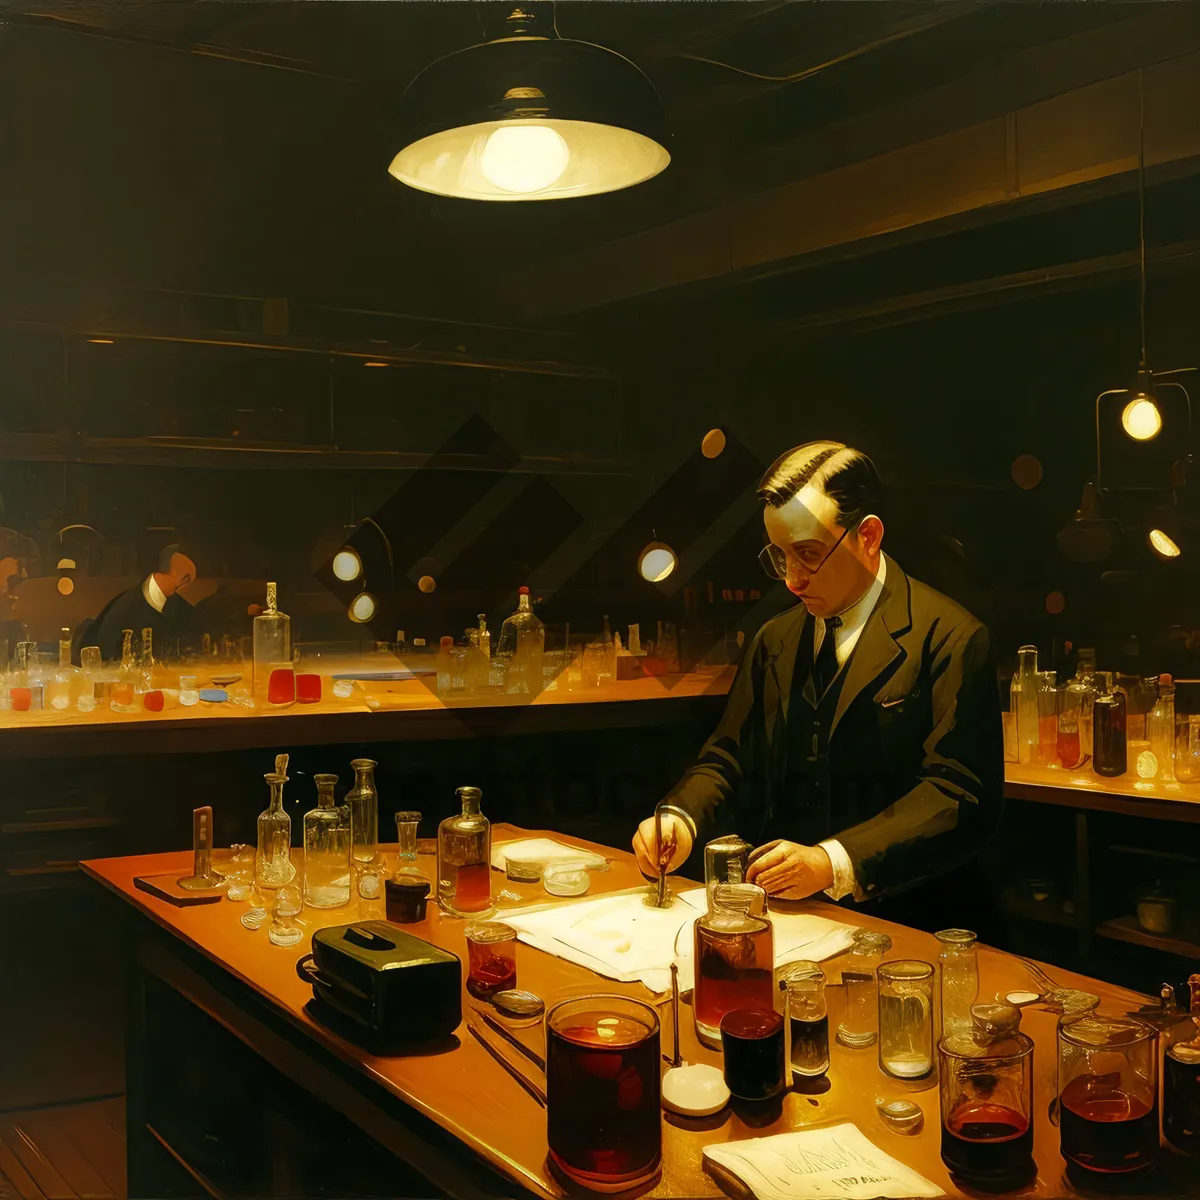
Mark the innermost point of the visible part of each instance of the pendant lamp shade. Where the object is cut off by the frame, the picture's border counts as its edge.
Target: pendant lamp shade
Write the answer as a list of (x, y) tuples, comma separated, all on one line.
[(530, 118)]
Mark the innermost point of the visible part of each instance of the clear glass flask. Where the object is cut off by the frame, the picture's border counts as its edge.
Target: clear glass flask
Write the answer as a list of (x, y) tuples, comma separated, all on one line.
[(906, 1041), (1160, 729), (1024, 704), (958, 980), (734, 958), (464, 859), (364, 810), (272, 648), (859, 1026), (273, 859), (1109, 746), (327, 834), (521, 645)]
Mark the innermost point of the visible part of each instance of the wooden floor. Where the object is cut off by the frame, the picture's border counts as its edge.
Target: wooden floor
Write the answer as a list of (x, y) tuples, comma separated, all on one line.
[(64, 1152)]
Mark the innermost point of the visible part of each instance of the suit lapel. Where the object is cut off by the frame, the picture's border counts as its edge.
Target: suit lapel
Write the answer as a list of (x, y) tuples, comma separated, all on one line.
[(783, 656), (878, 646)]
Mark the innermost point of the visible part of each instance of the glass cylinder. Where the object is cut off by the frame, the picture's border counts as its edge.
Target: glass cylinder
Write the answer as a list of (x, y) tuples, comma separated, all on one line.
[(986, 1095), (603, 1116), (808, 1019), (1109, 749), (272, 649), (1047, 752), (406, 837), (725, 862), (1160, 729), (753, 1046), (1024, 704), (491, 958), (1108, 1096), (273, 858), (859, 1026), (906, 1018), (958, 980), (364, 810), (465, 859), (327, 834), (1187, 747), (734, 957)]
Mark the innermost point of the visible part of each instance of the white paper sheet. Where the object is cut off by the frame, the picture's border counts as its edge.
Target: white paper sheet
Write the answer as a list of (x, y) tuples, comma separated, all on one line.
[(621, 938), (545, 850), (817, 1163)]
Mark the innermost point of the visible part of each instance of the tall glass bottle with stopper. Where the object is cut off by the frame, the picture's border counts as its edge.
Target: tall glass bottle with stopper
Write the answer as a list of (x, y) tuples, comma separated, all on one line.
[(986, 1093), (1160, 729), (327, 848), (521, 645), (958, 980), (273, 860), (364, 810), (464, 859), (1024, 704), (272, 651), (859, 1026)]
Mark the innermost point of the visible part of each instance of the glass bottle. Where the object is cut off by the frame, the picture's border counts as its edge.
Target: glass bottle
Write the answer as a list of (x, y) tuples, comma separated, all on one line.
[(273, 860), (61, 686), (364, 810), (1024, 704), (734, 957), (1109, 757), (272, 648), (958, 980), (123, 688), (145, 663), (608, 665), (906, 1041), (327, 834), (859, 1026), (444, 666), (1075, 702), (522, 642), (986, 1094), (464, 859), (1047, 752), (1181, 1079), (1160, 729), (724, 862), (808, 1019)]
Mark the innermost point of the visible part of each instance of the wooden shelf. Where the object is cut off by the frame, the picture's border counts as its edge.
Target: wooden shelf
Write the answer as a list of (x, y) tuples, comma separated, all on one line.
[(1126, 929), (1047, 912)]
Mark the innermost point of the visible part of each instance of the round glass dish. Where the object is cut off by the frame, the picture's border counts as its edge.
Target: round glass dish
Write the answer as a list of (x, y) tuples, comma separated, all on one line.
[(523, 870), (568, 878)]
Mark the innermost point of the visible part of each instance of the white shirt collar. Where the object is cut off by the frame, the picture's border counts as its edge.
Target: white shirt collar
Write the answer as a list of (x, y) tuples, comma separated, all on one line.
[(155, 596)]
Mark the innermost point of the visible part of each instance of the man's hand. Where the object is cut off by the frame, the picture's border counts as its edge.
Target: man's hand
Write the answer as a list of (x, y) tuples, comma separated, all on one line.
[(789, 870), (677, 844)]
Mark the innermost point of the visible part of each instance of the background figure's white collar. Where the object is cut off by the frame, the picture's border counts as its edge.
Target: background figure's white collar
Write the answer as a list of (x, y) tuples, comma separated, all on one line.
[(155, 596)]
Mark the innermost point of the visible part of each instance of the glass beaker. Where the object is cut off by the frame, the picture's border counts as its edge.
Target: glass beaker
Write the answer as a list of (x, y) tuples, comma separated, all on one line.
[(1108, 1096), (407, 824), (753, 1045), (958, 980), (491, 958), (906, 1018), (808, 1019), (725, 862), (859, 1026), (603, 1118), (986, 1084)]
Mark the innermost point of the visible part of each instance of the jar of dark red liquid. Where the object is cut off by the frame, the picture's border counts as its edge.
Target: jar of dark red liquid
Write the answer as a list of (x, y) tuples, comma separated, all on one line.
[(603, 1070), (1109, 745), (986, 1085), (491, 958), (1108, 1099)]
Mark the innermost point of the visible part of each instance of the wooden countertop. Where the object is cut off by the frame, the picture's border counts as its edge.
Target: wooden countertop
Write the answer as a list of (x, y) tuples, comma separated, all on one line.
[(1085, 789), (474, 1099)]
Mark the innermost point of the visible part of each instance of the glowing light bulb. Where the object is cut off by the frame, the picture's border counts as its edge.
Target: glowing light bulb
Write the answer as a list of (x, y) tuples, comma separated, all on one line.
[(657, 562), (1141, 418), (347, 565), (362, 607), (524, 158), (1163, 545)]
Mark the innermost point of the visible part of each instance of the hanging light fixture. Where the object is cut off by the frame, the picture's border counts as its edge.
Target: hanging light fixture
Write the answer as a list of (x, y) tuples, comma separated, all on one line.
[(527, 115), (362, 608), (347, 565), (656, 562)]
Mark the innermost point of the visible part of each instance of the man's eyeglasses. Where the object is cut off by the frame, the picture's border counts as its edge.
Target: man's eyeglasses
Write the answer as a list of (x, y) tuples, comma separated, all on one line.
[(774, 558)]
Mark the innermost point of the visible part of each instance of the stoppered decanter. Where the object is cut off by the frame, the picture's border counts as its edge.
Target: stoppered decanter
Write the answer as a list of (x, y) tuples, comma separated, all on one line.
[(273, 861), (364, 810), (464, 859), (327, 840)]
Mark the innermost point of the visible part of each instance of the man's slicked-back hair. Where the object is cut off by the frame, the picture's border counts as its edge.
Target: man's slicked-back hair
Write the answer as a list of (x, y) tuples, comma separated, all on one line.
[(847, 476)]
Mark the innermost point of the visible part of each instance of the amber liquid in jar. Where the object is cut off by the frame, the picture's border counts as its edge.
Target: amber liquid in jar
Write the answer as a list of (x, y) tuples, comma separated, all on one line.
[(1105, 1130), (732, 971), (988, 1143)]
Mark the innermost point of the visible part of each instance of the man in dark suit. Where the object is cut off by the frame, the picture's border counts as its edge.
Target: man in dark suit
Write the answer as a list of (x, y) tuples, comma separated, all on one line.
[(862, 739)]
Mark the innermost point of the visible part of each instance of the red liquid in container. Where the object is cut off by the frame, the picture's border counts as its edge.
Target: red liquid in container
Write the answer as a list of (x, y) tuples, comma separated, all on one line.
[(473, 888), (308, 688), (281, 687), (1105, 1130), (1070, 752), (989, 1143)]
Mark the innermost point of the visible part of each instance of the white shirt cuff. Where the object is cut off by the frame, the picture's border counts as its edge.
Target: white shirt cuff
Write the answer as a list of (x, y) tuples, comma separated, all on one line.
[(844, 882)]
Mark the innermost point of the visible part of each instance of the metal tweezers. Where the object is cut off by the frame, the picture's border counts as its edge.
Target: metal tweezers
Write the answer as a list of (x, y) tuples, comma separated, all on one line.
[(529, 1086), (662, 898)]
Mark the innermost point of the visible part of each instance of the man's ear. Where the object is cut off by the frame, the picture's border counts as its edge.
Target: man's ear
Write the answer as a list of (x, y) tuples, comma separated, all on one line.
[(870, 533)]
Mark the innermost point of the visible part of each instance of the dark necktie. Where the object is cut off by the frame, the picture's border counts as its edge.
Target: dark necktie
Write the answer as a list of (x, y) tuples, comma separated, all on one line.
[(826, 665)]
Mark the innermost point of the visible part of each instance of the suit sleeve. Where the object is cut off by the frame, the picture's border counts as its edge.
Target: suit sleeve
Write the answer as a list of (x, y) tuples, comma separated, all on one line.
[(724, 768), (955, 803)]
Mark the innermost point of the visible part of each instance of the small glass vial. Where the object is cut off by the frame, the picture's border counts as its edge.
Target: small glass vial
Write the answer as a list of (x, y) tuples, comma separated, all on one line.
[(958, 980), (808, 1019), (859, 1026), (273, 859), (464, 860), (906, 1040), (189, 694), (273, 653), (327, 848), (364, 810), (1109, 747)]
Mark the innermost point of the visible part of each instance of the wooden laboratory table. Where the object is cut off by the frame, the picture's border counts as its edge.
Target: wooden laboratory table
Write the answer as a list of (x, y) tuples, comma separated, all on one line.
[(425, 1108)]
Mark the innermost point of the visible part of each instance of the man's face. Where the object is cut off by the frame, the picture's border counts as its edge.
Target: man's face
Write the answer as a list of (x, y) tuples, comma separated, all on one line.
[(827, 575), (183, 570)]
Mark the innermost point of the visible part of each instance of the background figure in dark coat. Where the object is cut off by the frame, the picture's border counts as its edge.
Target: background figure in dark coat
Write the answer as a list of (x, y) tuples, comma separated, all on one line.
[(862, 739), (152, 604)]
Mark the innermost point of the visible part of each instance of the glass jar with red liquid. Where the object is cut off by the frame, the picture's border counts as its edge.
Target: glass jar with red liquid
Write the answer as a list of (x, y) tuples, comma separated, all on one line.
[(734, 959), (464, 859), (1108, 1098), (986, 1084), (491, 958), (603, 1071)]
